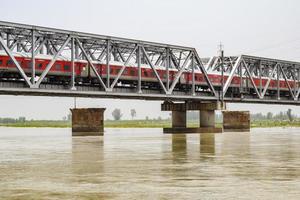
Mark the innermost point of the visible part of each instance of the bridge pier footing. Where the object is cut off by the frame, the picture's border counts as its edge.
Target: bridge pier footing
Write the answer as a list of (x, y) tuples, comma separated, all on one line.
[(87, 121), (207, 117), (236, 121)]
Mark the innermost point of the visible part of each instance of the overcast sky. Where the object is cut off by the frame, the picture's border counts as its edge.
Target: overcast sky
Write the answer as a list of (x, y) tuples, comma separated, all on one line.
[(258, 27)]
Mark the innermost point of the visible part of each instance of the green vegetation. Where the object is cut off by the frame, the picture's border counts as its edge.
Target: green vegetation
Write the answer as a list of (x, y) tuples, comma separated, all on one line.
[(274, 123), (282, 119), (39, 124), (150, 123)]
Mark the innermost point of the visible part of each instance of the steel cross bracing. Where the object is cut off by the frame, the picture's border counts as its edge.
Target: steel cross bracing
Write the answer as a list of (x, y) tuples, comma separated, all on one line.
[(33, 41), (256, 75)]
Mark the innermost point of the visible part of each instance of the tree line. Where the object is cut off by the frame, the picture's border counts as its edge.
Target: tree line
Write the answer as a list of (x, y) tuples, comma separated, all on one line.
[(283, 115), (117, 114), (7, 120), (194, 115)]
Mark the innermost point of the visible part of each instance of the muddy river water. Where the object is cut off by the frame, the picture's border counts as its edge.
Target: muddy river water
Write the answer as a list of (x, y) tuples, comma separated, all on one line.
[(45, 163)]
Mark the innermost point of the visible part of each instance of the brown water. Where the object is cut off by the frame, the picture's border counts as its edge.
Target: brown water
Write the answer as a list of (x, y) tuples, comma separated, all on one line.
[(145, 164)]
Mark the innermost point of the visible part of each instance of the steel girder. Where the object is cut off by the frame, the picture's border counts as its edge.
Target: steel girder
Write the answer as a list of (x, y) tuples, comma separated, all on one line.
[(251, 67), (32, 41)]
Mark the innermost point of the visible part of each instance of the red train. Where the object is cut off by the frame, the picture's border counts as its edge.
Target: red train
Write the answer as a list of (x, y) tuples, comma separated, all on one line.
[(61, 72)]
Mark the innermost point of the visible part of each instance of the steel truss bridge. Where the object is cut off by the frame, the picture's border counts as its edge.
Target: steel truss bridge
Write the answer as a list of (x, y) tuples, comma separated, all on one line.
[(31, 41)]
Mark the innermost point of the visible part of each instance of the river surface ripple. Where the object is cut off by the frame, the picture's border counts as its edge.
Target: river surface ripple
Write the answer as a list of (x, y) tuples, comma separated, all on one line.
[(45, 163)]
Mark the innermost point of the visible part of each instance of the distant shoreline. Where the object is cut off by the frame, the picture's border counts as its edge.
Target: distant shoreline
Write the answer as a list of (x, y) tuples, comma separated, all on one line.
[(141, 124)]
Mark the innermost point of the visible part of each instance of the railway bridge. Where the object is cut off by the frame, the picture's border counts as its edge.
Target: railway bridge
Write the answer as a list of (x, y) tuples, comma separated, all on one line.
[(37, 60)]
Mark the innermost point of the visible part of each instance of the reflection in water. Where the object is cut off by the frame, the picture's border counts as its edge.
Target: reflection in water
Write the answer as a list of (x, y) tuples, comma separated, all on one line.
[(207, 144), (179, 149), (179, 143), (180, 146), (236, 144), (87, 155)]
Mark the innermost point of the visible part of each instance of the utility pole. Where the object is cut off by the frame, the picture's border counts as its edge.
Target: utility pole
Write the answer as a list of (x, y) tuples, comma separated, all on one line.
[(221, 56)]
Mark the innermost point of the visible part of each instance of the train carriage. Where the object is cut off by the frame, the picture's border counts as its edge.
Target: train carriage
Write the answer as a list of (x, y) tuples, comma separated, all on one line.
[(61, 71)]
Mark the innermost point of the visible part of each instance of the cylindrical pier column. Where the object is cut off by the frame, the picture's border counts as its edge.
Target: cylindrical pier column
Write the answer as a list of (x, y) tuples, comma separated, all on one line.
[(207, 118), (179, 119)]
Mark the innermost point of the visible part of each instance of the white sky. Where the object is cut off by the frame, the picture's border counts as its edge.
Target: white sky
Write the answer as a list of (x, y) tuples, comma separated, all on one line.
[(258, 27)]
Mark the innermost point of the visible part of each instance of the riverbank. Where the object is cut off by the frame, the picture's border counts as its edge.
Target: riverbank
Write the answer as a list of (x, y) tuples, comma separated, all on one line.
[(143, 124)]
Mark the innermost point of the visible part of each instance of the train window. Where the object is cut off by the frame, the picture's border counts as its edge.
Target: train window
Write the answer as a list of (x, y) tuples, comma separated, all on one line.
[(132, 72), (57, 67), (145, 73), (1, 62), (118, 70), (66, 67), (28, 65), (40, 65), (9, 62)]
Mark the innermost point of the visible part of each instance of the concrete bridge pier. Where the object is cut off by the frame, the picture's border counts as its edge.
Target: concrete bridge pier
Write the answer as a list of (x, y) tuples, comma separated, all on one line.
[(87, 121), (207, 117), (236, 121), (179, 119)]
